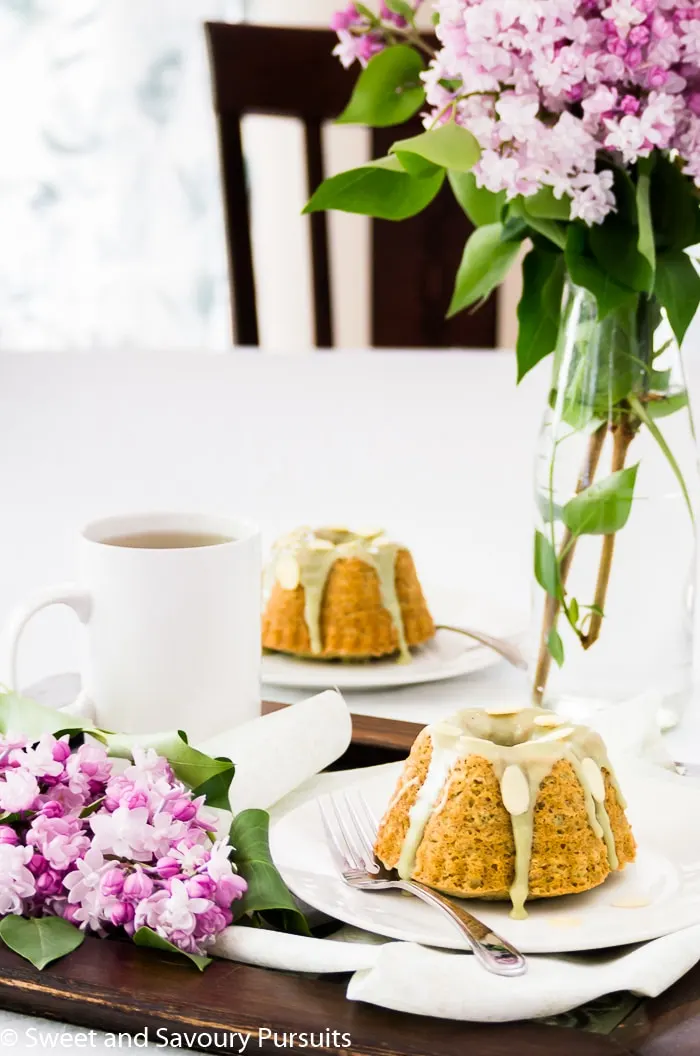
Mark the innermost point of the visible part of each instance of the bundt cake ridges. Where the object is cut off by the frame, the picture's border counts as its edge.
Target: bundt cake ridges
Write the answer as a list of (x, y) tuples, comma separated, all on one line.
[(471, 846), (354, 600)]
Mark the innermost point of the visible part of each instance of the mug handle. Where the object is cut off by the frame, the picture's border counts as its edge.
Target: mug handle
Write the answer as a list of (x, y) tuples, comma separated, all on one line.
[(63, 594)]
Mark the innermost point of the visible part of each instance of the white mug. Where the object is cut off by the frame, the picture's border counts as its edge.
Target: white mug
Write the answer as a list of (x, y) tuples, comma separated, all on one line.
[(172, 631)]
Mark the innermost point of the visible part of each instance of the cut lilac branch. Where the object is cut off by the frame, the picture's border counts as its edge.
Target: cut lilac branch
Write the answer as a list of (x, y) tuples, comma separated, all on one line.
[(623, 434), (565, 556)]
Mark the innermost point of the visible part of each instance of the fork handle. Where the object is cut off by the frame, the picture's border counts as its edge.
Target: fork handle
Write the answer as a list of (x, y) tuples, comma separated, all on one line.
[(508, 650), (493, 952)]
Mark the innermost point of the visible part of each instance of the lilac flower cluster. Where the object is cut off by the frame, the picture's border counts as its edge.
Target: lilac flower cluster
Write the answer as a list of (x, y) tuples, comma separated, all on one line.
[(359, 38), (546, 86), (110, 850)]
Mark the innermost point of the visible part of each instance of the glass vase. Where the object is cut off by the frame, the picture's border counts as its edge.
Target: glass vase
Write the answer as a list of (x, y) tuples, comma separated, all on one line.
[(616, 486)]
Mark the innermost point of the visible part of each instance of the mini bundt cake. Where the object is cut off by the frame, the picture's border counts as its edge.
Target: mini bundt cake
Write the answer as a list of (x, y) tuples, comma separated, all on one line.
[(337, 594), (506, 805)]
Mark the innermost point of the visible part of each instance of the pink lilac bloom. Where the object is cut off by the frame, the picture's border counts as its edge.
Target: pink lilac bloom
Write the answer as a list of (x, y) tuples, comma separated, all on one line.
[(141, 855), (550, 87), (180, 918), (353, 47), (18, 790), (41, 760), (85, 880), (10, 742), (128, 833), (17, 883), (60, 840), (615, 76), (88, 770), (346, 19), (138, 885)]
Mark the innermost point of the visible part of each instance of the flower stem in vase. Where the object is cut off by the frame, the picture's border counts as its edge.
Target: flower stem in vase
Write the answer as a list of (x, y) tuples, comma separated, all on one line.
[(565, 556), (623, 434)]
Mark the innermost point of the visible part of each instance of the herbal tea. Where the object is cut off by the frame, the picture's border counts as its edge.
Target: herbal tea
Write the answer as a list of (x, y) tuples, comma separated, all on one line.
[(164, 540)]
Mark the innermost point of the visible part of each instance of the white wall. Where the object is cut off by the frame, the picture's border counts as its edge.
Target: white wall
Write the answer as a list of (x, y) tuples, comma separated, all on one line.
[(110, 209), (110, 203)]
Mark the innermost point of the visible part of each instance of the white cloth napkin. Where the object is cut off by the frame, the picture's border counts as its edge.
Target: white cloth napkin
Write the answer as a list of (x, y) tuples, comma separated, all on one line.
[(410, 978), (278, 759), (275, 754)]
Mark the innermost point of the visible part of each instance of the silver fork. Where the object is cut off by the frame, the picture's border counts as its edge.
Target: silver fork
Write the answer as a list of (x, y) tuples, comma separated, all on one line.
[(508, 650), (351, 831)]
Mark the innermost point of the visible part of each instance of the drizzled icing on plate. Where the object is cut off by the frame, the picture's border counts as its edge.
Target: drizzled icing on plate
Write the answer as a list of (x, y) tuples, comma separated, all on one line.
[(522, 750), (305, 558)]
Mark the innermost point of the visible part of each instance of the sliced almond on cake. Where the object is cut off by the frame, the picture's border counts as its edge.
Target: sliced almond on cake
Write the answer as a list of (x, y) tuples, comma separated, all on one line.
[(287, 571)]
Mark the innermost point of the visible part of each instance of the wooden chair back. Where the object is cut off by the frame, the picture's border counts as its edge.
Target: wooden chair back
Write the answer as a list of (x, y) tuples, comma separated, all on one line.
[(292, 73)]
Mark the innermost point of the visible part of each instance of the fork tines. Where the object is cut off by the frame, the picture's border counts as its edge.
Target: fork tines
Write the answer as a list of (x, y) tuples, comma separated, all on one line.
[(351, 830)]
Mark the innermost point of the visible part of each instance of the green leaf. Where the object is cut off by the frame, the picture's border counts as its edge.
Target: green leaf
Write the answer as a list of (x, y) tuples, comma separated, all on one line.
[(539, 310), (382, 188), (658, 380), (668, 405), (149, 938), (205, 775), (549, 511), (602, 366), (367, 13), (555, 647), (485, 263), (613, 244), (515, 229), (653, 428), (40, 939), (92, 808), (625, 194), (481, 206), (546, 569), (449, 146), (20, 715), (585, 271), (645, 241), (573, 611), (553, 230), (675, 210), (545, 206), (402, 8), (388, 91), (678, 289), (604, 507), (267, 894)]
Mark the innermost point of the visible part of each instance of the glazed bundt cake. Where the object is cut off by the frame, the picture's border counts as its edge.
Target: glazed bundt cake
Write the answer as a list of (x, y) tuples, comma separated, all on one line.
[(337, 594), (503, 805)]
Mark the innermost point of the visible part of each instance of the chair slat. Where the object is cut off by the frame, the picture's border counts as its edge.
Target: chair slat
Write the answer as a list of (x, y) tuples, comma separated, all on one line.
[(236, 200), (292, 73), (320, 259)]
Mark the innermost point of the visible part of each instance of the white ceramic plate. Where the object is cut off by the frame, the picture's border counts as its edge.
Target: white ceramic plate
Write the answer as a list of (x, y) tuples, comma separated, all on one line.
[(446, 656), (666, 875)]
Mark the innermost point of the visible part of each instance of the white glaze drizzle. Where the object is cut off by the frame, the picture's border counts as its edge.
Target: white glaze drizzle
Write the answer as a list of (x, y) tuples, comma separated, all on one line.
[(445, 753), (315, 564), (515, 739)]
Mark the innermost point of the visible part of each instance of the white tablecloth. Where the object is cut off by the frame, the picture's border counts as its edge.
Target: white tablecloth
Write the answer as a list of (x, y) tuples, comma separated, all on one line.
[(436, 446)]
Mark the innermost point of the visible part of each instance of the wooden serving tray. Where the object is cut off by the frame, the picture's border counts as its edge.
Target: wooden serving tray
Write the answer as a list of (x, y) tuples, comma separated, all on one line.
[(117, 987)]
